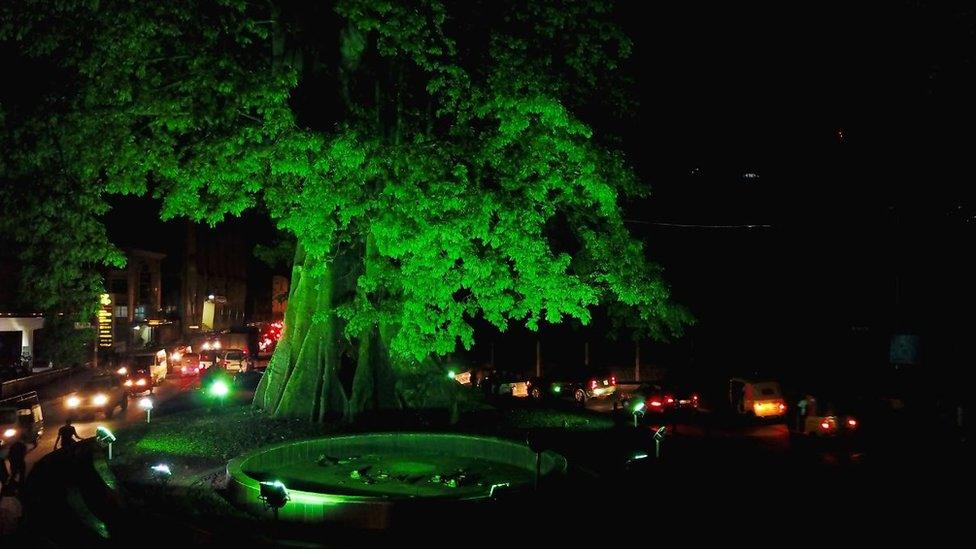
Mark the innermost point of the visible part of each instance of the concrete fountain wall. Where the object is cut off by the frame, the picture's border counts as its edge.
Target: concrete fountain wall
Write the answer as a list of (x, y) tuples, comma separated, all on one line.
[(367, 511)]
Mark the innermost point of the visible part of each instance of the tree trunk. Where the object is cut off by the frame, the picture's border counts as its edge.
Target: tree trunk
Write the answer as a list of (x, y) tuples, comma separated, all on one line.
[(374, 383), (302, 379)]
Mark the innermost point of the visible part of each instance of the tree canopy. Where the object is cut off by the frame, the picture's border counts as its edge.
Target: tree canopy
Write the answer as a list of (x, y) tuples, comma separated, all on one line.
[(439, 153)]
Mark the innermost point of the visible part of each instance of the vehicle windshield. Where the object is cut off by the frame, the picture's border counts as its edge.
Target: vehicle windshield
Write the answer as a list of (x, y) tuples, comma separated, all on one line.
[(96, 385), (234, 355), (8, 416)]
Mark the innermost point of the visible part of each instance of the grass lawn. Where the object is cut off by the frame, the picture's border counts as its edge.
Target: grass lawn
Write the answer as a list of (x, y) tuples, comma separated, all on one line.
[(194, 442), (530, 419)]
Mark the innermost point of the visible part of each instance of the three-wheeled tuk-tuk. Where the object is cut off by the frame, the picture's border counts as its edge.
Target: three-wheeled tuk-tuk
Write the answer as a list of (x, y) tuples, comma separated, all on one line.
[(21, 416)]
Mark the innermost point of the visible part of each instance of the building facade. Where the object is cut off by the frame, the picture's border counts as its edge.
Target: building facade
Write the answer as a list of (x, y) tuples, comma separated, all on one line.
[(135, 294), (214, 281)]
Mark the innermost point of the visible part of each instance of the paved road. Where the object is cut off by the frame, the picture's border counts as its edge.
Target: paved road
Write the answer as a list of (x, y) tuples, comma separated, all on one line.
[(55, 413)]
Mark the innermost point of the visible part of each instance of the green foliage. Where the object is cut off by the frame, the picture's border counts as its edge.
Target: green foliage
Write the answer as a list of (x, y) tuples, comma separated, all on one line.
[(453, 158), (59, 241), (61, 343), (278, 254)]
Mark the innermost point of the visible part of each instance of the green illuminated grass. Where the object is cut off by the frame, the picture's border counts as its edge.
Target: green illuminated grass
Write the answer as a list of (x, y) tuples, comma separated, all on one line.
[(206, 437), (543, 418)]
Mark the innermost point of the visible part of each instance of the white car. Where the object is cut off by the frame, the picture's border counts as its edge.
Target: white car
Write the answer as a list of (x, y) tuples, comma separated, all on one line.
[(233, 360)]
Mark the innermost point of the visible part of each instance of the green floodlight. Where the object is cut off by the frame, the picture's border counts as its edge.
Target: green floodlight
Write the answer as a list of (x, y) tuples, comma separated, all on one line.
[(638, 411), (161, 473), (556, 389), (658, 438), (104, 436), (219, 388), (274, 495), (146, 404), (162, 469), (451, 374)]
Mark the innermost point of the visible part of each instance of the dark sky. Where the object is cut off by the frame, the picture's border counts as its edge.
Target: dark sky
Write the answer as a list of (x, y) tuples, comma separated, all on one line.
[(858, 121)]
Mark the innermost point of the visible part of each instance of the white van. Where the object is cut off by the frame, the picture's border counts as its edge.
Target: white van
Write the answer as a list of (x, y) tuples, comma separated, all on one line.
[(155, 362)]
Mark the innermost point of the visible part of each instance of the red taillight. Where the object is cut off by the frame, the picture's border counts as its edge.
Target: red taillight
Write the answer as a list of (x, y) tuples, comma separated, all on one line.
[(782, 406), (669, 399), (613, 380), (655, 403), (593, 384), (825, 425), (851, 422)]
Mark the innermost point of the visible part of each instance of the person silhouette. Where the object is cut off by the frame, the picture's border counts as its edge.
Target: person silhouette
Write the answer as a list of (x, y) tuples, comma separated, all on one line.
[(67, 435)]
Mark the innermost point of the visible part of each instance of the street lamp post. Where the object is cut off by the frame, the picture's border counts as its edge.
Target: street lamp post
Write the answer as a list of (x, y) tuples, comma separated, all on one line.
[(146, 404), (103, 435), (638, 410), (658, 438)]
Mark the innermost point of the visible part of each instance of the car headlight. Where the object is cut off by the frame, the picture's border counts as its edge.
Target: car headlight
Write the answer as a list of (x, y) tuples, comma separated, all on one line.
[(122, 371), (99, 400), (141, 382), (10, 433), (128, 383), (73, 402)]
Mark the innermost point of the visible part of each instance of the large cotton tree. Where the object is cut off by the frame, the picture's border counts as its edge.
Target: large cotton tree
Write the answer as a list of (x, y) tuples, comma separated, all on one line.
[(430, 158)]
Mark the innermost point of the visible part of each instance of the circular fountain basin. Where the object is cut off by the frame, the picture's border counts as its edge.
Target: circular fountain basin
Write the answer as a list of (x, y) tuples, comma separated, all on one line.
[(368, 480)]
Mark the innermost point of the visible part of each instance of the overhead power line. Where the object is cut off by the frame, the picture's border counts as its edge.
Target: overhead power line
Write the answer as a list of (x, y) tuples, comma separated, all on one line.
[(698, 226)]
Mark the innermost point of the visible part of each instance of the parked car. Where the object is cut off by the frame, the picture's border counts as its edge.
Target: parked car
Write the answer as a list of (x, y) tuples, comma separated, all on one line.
[(655, 397), (685, 391), (207, 359), (504, 383), (99, 394), (579, 384), (189, 365), (233, 360)]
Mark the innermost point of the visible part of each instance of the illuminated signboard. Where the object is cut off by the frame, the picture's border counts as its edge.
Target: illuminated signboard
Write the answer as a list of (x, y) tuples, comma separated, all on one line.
[(104, 321)]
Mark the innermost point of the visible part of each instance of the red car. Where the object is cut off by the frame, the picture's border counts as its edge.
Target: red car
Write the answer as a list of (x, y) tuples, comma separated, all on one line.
[(659, 399), (138, 381), (190, 365)]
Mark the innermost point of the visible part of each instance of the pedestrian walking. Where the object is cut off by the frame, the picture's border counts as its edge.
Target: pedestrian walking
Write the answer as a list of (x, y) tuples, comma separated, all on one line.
[(67, 435), (17, 456)]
